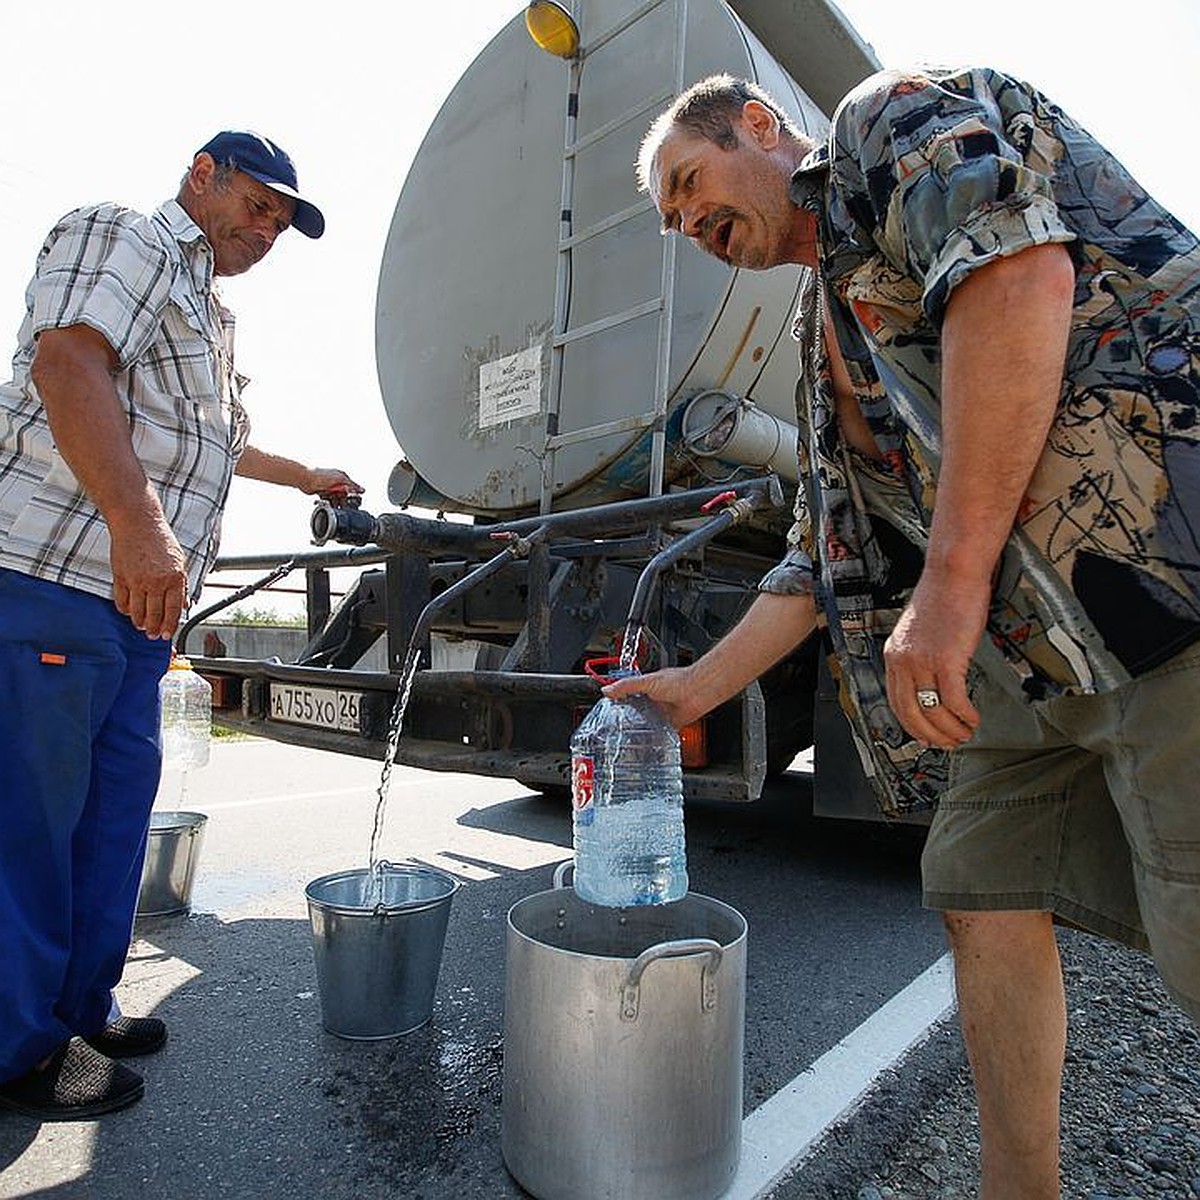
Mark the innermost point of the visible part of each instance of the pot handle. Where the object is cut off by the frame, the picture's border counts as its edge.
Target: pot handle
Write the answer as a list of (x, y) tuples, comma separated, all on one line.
[(560, 872), (631, 991)]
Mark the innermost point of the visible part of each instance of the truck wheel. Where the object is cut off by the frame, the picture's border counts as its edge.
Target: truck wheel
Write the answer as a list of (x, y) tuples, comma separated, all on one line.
[(790, 691), (555, 792)]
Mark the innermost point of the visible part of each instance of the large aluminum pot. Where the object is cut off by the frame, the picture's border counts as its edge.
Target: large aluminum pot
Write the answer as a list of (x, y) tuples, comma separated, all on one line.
[(623, 1048)]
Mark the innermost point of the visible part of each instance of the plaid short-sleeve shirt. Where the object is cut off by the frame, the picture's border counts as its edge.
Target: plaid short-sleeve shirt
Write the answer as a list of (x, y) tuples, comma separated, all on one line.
[(146, 284)]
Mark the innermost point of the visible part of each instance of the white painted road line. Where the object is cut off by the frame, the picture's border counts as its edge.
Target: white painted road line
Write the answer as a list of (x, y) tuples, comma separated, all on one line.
[(781, 1132), (365, 791)]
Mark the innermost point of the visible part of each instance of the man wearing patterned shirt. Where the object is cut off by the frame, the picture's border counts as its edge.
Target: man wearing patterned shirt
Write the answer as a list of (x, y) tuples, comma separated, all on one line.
[(119, 434), (1000, 436)]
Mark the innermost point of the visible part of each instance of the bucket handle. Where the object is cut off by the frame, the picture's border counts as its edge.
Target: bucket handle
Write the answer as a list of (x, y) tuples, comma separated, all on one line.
[(380, 911), (631, 991)]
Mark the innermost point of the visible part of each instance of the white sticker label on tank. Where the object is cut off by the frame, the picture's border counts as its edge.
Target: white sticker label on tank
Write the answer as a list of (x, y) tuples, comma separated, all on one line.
[(510, 387)]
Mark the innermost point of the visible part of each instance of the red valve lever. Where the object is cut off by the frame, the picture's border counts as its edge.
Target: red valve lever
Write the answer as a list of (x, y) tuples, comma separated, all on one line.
[(723, 498)]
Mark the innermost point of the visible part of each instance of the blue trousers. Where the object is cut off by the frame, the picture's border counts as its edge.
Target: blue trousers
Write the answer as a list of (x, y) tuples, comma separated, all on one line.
[(79, 769)]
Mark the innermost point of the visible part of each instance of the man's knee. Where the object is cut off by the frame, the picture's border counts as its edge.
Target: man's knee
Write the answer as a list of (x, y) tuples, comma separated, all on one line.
[(984, 931)]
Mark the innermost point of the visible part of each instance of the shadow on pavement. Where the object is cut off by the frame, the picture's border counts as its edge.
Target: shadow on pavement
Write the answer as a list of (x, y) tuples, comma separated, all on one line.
[(251, 1098), (16, 1136), (535, 816)]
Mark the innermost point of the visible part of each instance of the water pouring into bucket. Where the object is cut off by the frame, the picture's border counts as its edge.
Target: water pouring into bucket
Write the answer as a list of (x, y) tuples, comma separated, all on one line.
[(395, 729), (378, 932)]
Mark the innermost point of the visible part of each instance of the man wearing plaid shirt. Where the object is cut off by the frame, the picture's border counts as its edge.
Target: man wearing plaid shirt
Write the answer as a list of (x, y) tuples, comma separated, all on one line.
[(119, 434)]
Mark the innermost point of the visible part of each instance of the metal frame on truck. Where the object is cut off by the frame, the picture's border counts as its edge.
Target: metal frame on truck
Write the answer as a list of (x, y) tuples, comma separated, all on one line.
[(526, 600)]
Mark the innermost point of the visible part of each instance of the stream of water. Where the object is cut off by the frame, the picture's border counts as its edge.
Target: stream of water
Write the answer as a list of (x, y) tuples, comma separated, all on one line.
[(374, 886), (630, 645)]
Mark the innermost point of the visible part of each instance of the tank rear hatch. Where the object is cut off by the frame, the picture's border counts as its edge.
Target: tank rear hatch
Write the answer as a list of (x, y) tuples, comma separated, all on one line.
[(466, 302)]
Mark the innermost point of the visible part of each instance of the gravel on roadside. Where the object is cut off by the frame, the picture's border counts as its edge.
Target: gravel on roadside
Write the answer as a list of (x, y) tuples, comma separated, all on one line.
[(1130, 1109)]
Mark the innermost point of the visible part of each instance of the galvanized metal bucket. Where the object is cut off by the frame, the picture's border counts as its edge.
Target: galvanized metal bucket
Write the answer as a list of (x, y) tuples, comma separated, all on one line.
[(172, 854), (623, 1048), (378, 947)]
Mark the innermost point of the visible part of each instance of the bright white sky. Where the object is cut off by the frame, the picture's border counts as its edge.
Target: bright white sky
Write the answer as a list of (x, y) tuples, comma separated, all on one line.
[(110, 102)]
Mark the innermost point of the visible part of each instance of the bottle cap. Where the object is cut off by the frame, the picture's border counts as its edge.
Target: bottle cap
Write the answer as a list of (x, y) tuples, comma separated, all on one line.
[(618, 672)]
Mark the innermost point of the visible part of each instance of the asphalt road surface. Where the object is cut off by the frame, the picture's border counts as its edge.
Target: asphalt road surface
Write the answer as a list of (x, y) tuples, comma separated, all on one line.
[(252, 1098)]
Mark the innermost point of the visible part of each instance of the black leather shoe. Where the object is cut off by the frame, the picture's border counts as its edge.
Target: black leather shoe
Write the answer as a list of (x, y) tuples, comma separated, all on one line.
[(76, 1083), (127, 1037)]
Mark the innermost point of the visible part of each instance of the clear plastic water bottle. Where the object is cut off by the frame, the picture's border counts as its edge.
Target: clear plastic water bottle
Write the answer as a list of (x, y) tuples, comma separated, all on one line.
[(627, 796), (185, 699)]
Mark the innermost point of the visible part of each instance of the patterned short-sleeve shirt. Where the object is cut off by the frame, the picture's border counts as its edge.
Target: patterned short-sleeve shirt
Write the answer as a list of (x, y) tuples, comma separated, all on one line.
[(927, 176), (146, 284), (857, 545)]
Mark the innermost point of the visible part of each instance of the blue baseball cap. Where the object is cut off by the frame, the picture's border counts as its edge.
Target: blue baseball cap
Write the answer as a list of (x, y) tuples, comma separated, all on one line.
[(263, 160)]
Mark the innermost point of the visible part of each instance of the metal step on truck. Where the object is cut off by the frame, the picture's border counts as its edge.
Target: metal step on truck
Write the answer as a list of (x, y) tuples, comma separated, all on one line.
[(596, 423)]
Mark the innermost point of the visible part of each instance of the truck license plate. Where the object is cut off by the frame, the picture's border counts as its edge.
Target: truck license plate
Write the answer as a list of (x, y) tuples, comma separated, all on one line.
[(322, 708)]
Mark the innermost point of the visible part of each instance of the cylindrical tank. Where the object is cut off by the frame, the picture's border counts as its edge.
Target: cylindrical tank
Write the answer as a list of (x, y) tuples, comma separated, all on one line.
[(718, 425), (466, 300)]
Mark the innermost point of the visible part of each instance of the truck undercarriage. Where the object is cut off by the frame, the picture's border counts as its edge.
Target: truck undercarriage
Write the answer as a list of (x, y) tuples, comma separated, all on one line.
[(529, 602)]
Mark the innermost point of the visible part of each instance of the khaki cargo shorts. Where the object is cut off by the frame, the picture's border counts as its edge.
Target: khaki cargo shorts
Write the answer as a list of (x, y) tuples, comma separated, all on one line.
[(1087, 807)]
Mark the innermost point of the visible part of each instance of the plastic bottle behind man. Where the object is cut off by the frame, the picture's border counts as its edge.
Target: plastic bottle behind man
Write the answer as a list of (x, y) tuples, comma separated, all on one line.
[(627, 797), (186, 703)]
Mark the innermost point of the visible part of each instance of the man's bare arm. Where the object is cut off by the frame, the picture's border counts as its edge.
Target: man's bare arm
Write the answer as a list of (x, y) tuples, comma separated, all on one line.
[(73, 372), (773, 627), (273, 468), (1004, 342)]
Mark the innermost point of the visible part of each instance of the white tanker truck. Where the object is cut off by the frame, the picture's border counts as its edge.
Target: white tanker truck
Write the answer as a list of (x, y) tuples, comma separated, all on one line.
[(601, 418)]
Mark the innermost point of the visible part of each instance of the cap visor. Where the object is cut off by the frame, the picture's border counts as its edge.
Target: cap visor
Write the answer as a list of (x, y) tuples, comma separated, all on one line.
[(308, 219)]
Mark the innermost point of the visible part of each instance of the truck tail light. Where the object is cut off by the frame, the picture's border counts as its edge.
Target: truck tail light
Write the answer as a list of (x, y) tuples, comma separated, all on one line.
[(226, 692), (693, 745)]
